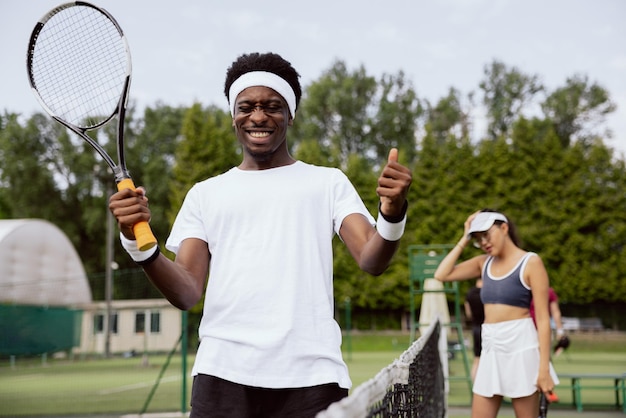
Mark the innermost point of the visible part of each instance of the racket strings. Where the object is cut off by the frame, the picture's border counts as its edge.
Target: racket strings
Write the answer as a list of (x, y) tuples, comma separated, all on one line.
[(79, 66)]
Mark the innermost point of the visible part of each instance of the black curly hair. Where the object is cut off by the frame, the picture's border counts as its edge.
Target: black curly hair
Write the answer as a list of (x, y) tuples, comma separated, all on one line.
[(270, 62)]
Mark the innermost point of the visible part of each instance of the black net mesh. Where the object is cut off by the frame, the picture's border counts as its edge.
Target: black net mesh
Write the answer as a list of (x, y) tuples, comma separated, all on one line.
[(411, 386), (423, 395)]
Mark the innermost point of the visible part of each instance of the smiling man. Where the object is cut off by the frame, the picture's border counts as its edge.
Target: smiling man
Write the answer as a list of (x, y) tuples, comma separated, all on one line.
[(263, 231)]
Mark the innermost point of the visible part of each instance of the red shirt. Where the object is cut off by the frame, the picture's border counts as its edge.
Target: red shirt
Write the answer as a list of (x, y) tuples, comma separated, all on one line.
[(552, 297)]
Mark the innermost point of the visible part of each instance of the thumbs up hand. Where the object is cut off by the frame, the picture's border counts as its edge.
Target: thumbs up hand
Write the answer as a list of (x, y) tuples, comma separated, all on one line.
[(393, 186)]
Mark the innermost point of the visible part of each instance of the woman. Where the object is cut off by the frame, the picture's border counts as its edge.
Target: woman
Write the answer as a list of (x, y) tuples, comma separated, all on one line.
[(515, 357)]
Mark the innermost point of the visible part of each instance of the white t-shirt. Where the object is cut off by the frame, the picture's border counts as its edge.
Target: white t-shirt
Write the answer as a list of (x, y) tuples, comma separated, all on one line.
[(268, 311)]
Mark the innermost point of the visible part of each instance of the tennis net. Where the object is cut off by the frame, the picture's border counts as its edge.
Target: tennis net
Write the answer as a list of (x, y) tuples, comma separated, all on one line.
[(412, 386)]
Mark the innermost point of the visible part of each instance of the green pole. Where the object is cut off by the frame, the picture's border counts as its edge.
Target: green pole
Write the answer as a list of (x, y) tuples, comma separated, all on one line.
[(348, 328), (183, 353)]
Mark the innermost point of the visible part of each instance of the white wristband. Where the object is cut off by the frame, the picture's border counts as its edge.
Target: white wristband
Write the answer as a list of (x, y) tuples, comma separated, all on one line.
[(138, 256), (559, 332), (390, 231)]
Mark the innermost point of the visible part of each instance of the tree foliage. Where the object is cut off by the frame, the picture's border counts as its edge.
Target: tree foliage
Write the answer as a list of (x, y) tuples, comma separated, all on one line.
[(207, 148), (506, 92), (550, 172), (349, 113), (577, 108)]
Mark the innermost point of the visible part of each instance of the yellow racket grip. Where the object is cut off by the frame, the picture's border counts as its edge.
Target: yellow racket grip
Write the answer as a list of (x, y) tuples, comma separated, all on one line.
[(143, 234)]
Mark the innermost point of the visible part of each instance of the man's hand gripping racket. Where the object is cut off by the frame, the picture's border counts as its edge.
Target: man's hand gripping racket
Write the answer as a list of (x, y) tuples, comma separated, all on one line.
[(79, 68)]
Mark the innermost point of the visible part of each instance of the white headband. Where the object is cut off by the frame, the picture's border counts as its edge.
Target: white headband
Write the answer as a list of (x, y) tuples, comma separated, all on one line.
[(265, 79)]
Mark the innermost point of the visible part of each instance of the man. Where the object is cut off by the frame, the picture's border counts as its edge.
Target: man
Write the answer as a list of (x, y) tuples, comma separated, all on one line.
[(269, 345)]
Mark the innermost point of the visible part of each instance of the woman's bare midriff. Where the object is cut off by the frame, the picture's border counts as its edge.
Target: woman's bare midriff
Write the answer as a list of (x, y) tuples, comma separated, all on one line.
[(497, 312)]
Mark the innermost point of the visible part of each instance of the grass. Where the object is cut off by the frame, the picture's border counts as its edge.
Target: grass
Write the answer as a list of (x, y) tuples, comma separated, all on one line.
[(122, 385), (87, 387)]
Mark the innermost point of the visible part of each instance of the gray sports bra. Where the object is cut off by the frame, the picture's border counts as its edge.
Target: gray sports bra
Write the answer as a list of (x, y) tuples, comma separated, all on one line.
[(508, 289)]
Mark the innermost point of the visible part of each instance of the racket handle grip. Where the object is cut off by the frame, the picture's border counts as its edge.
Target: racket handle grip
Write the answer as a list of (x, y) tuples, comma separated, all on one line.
[(143, 234)]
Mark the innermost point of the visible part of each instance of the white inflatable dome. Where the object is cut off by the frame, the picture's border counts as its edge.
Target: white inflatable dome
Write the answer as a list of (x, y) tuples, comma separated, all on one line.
[(39, 266)]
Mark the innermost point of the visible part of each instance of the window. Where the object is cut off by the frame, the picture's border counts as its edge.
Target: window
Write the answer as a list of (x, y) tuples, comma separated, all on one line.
[(155, 322), (114, 323), (99, 323), (140, 322)]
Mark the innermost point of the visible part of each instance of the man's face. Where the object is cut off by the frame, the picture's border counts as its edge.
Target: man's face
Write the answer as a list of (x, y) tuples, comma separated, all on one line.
[(260, 121)]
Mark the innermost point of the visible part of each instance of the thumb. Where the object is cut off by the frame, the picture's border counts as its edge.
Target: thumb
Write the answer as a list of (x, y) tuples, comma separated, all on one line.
[(393, 155)]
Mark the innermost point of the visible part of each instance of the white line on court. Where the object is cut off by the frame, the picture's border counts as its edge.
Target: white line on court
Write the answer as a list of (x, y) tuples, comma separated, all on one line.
[(136, 386)]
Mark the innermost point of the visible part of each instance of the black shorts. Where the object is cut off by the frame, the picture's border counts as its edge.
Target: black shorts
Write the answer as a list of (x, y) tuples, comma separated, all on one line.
[(478, 341), (212, 397)]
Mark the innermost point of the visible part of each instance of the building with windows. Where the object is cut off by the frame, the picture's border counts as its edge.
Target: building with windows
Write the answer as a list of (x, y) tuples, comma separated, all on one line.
[(136, 326)]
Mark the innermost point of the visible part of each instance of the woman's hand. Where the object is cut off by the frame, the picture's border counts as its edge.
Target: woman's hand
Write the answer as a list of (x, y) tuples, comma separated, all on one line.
[(468, 222)]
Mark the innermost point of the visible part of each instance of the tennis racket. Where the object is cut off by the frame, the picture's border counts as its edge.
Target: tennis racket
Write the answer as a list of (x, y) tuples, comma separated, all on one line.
[(543, 406), (79, 68)]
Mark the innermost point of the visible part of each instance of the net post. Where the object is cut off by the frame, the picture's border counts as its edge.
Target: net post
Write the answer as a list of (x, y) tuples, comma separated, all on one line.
[(423, 261)]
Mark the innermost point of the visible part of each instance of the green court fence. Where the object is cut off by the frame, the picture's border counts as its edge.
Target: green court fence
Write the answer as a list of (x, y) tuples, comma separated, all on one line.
[(31, 330)]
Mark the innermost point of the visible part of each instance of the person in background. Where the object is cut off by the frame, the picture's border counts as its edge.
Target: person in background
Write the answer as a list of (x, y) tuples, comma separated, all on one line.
[(555, 321), (475, 312), (269, 343), (561, 345), (515, 356)]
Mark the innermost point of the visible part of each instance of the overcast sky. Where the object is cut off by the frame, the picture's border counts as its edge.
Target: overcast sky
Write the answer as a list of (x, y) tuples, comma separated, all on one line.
[(181, 49)]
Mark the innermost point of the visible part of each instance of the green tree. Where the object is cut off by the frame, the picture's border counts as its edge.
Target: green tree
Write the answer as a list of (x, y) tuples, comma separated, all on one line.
[(447, 118), (208, 147), (552, 173), (337, 112), (506, 91), (577, 109), (590, 265), (312, 152), (395, 123), (352, 113), (26, 177)]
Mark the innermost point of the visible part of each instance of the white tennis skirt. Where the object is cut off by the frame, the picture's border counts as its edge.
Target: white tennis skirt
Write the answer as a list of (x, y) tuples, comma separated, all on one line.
[(509, 361)]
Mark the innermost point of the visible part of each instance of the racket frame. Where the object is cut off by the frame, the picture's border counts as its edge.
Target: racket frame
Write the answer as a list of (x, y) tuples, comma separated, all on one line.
[(120, 171), (142, 231)]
